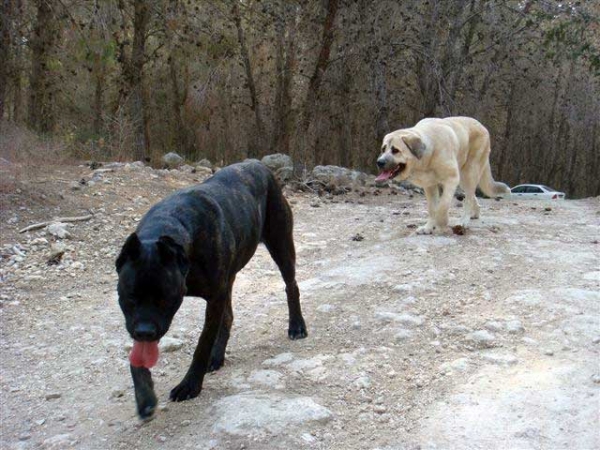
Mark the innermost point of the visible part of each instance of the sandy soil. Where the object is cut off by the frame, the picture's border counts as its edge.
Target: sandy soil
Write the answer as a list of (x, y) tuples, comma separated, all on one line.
[(489, 340)]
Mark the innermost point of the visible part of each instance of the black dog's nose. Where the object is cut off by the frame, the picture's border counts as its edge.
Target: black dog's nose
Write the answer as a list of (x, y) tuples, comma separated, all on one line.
[(381, 163), (145, 331)]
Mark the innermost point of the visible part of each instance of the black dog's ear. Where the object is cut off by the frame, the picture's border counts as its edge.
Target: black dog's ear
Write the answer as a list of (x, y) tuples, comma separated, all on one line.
[(169, 251), (415, 145), (131, 250)]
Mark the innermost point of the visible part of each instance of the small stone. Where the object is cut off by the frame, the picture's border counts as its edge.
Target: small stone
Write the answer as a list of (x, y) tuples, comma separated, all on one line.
[(59, 230), (309, 438), (493, 325), (548, 352), (278, 360), (402, 335), (380, 409), (501, 359), (59, 441), (596, 340), (514, 326), (363, 382), (482, 338), (117, 393), (267, 378), (596, 378), (325, 308), (315, 203), (77, 265), (53, 395), (169, 344)]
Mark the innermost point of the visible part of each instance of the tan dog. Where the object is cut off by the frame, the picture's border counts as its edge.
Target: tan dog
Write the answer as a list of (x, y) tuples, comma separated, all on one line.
[(442, 153)]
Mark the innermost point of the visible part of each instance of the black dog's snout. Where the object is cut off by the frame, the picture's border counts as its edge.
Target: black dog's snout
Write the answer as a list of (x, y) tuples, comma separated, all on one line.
[(381, 163), (145, 331)]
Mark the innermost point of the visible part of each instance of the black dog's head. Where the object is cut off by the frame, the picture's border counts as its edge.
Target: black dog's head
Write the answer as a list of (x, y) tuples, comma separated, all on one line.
[(151, 285)]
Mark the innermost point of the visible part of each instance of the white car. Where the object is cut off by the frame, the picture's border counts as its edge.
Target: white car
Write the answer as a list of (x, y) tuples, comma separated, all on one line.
[(536, 191)]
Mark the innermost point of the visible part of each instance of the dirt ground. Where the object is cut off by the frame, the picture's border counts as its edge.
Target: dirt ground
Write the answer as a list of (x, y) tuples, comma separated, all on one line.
[(489, 340)]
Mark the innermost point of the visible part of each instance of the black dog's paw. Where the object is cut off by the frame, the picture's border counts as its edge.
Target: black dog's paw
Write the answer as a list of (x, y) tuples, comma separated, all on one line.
[(215, 364), (146, 401), (147, 407), (297, 330), (185, 391)]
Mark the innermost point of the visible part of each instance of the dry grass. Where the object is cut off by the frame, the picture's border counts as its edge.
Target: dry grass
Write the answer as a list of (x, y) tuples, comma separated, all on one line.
[(26, 158)]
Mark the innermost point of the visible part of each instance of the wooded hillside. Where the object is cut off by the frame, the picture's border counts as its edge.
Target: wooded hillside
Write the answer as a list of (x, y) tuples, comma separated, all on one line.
[(322, 81)]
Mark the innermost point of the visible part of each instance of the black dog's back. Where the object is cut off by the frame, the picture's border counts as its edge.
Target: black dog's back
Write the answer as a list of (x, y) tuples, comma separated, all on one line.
[(223, 217)]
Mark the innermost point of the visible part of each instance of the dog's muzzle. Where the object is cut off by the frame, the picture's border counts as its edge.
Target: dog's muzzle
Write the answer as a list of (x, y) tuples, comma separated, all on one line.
[(145, 331)]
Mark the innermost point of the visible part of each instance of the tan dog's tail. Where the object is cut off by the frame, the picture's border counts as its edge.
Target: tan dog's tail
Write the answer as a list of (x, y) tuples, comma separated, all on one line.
[(490, 187)]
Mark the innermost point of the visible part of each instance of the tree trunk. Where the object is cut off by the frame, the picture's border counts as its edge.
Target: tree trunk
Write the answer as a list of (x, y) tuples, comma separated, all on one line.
[(257, 138), (278, 111), (316, 79), (136, 80), (455, 76), (183, 136), (5, 52), (41, 110), (99, 101), (506, 149)]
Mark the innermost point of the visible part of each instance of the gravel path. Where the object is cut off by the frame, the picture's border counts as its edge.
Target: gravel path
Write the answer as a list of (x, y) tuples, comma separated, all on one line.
[(489, 340)]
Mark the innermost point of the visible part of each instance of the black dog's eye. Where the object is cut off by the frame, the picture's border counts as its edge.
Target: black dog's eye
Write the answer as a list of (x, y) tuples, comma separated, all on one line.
[(394, 150)]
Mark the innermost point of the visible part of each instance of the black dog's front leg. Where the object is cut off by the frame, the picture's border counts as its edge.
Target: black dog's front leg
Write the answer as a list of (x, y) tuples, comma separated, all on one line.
[(191, 385), (145, 398)]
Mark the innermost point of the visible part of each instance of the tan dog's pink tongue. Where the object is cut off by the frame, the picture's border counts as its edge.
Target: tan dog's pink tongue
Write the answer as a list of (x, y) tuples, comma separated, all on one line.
[(144, 354), (385, 175)]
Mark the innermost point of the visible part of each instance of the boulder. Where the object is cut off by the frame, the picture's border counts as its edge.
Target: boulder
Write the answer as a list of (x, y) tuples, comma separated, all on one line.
[(277, 161), (204, 163), (338, 176), (172, 160), (259, 413), (203, 172)]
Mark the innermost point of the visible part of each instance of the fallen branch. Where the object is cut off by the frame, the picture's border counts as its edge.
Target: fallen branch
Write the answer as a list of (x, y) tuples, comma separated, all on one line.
[(37, 226)]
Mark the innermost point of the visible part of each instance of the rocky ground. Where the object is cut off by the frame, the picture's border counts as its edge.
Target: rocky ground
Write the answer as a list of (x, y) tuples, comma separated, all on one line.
[(489, 340)]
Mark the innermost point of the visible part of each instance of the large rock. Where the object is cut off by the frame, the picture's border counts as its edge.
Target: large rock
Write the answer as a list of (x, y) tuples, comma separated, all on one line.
[(257, 413), (277, 161), (338, 176), (172, 160), (204, 163)]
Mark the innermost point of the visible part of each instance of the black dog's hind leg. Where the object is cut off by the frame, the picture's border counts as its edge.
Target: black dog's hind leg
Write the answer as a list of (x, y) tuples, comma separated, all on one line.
[(191, 385), (279, 239), (217, 356)]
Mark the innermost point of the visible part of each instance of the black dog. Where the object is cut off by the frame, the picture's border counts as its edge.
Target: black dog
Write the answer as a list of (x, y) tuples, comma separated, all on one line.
[(194, 243)]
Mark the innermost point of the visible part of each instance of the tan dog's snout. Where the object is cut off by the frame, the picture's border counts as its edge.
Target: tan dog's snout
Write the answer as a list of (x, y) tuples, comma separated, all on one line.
[(385, 161)]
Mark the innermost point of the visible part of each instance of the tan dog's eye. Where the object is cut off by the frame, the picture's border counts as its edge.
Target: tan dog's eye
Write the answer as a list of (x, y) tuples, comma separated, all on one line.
[(394, 150)]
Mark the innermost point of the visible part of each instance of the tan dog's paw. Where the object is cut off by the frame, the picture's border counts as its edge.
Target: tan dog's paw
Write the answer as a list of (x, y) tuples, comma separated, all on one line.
[(425, 229)]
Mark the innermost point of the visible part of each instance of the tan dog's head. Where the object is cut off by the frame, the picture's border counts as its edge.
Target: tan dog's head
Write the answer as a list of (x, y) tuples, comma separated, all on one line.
[(399, 153)]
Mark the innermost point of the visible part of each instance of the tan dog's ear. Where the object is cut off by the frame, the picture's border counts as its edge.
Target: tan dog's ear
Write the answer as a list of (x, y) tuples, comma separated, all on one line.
[(415, 145)]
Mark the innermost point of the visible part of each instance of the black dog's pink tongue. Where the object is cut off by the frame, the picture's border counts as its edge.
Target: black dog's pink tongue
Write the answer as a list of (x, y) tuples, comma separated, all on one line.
[(384, 175), (144, 354)]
